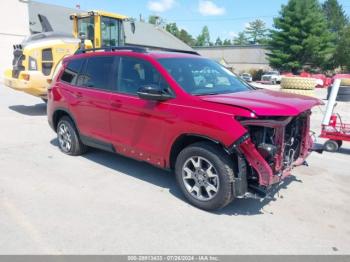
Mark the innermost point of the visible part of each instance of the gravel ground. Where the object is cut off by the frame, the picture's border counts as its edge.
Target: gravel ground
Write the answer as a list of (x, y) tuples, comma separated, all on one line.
[(102, 203)]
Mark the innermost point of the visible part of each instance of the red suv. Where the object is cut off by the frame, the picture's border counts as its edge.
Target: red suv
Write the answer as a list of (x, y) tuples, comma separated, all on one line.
[(181, 112)]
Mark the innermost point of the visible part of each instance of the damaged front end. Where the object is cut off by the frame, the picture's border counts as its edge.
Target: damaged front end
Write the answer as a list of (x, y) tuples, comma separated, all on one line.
[(271, 148)]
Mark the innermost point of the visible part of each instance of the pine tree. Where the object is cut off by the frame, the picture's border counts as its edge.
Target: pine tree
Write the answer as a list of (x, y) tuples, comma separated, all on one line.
[(301, 37), (186, 37), (335, 15), (218, 41), (227, 42), (182, 34), (241, 39), (172, 29), (256, 31), (203, 39), (343, 49), (337, 20)]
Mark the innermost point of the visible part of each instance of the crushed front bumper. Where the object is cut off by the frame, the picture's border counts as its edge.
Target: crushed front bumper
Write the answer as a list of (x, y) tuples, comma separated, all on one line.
[(31, 82), (271, 174)]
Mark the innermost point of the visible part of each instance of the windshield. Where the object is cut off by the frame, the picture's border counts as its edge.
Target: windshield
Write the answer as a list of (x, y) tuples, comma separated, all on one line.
[(198, 76)]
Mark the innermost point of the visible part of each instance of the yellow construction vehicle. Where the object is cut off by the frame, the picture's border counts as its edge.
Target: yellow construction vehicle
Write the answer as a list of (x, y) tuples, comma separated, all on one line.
[(37, 58)]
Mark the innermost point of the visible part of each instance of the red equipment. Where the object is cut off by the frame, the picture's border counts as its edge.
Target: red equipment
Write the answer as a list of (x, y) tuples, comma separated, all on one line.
[(336, 132)]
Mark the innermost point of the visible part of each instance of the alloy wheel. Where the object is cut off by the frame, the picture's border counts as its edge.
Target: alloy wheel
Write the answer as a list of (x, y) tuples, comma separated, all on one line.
[(200, 178), (64, 138)]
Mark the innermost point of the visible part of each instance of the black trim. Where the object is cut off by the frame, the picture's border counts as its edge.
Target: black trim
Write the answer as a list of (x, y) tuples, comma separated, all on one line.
[(241, 182), (113, 48), (96, 143), (235, 145), (136, 48)]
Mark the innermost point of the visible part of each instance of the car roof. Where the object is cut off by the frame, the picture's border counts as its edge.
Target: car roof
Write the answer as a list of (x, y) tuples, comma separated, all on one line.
[(153, 54)]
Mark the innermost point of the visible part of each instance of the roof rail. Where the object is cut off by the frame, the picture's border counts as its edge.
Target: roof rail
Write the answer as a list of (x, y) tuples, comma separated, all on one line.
[(113, 48), (178, 51), (138, 49)]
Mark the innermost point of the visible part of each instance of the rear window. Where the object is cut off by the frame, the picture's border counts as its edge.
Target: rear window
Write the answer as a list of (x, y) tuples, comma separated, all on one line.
[(72, 70), (98, 73)]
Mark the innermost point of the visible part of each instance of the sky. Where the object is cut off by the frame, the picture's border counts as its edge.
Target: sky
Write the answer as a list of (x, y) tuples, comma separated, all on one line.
[(225, 18)]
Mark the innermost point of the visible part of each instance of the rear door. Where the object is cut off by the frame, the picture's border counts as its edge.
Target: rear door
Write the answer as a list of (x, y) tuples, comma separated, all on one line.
[(91, 98)]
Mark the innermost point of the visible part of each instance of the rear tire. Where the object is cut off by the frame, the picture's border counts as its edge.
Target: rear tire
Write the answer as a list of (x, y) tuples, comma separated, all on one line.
[(340, 143), (205, 175), (331, 146), (68, 138)]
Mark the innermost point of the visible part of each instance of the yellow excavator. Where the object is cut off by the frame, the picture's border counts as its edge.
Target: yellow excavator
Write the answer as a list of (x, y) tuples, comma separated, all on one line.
[(39, 56)]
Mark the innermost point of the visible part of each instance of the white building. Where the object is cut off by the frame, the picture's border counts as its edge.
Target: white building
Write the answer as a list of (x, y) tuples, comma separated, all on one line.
[(14, 27)]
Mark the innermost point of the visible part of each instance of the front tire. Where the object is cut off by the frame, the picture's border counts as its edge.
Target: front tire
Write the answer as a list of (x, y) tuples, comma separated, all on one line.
[(205, 175), (68, 138)]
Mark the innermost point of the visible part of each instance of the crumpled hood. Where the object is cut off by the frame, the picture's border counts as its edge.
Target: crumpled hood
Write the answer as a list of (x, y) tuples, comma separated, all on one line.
[(266, 102)]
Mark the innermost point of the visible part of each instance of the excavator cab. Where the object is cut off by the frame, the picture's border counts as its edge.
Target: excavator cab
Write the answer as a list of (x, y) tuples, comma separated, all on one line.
[(101, 29)]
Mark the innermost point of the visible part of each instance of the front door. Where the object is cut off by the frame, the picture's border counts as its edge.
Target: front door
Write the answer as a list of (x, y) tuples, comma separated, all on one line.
[(138, 126)]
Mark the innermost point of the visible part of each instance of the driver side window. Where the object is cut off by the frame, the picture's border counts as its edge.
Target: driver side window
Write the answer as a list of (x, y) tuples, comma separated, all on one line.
[(135, 73)]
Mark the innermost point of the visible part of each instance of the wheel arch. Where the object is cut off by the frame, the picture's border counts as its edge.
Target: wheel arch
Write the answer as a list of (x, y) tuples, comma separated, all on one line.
[(58, 114), (187, 139)]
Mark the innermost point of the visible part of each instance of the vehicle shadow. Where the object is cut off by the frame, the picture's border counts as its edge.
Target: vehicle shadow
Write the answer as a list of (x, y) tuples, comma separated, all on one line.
[(345, 151), (342, 150), (165, 179), (255, 206), (34, 110)]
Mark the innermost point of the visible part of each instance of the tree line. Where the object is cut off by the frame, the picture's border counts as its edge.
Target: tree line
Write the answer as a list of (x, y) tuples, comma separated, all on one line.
[(310, 36), (255, 33), (306, 35)]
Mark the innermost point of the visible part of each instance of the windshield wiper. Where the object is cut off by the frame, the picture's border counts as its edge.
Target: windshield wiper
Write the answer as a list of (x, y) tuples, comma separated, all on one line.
[(207, 94)]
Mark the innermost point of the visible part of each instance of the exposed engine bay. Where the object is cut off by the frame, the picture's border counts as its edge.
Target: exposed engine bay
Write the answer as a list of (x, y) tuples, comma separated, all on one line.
[(275, 146)]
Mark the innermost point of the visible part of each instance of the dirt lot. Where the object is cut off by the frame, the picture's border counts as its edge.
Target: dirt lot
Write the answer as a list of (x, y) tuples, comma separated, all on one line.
[(107, 204)]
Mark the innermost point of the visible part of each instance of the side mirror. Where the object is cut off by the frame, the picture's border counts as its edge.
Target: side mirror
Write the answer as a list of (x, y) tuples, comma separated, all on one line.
[(153, 92)]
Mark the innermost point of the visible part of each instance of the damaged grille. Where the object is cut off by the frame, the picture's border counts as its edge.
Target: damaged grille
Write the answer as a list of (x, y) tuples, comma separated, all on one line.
[(279, 140)]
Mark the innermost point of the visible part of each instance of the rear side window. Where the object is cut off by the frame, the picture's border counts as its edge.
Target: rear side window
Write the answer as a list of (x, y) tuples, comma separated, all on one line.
[(72, 70), (98, 73)]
